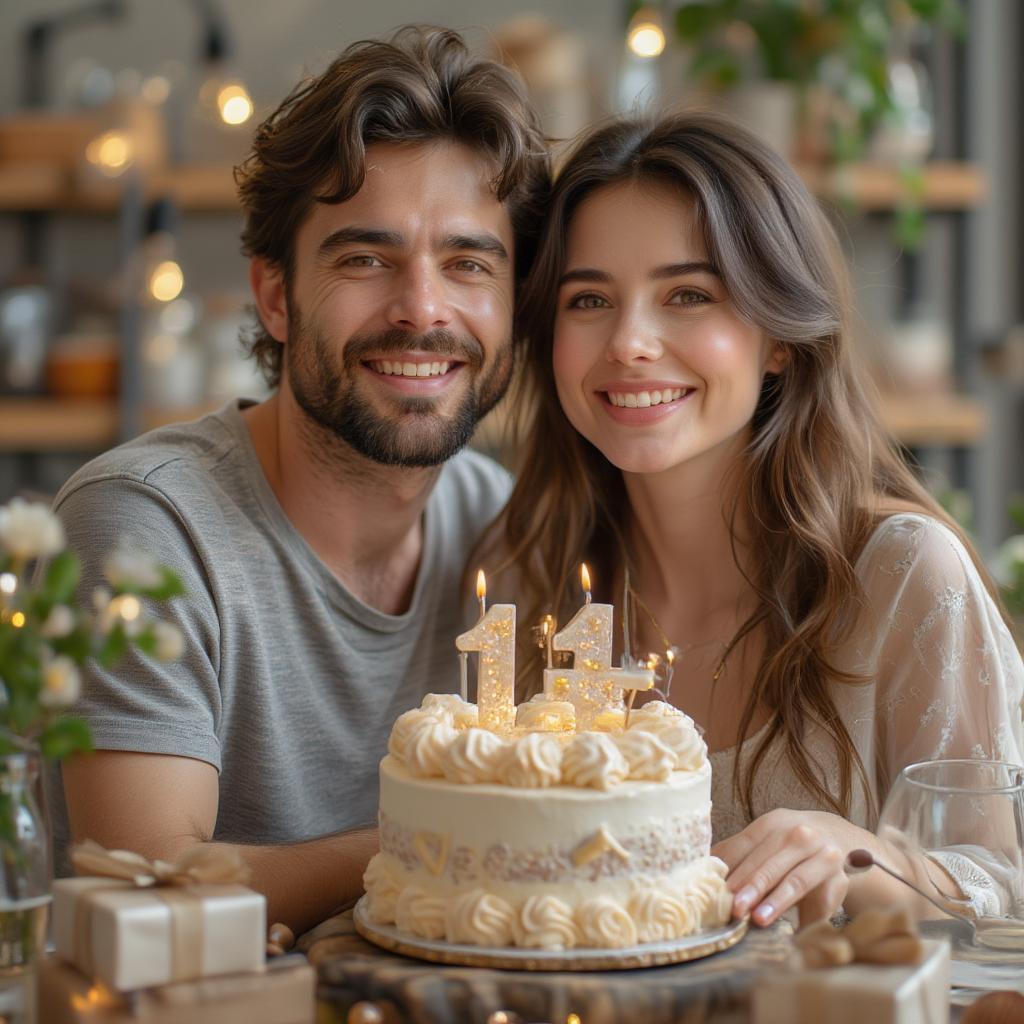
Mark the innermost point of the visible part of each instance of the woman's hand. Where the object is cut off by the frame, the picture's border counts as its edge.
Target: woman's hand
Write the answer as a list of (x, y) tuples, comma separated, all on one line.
[(791, 858)]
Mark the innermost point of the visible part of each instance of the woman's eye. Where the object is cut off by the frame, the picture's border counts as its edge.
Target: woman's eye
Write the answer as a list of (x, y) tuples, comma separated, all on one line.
[(587, 300), (689, 297)]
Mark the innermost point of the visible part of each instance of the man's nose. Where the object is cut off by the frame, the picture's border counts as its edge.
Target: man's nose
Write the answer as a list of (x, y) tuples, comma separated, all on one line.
[(420, 301)]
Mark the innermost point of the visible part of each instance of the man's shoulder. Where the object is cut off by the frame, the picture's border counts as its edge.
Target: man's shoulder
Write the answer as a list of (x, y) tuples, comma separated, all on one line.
[(177, 461), (475, 484)]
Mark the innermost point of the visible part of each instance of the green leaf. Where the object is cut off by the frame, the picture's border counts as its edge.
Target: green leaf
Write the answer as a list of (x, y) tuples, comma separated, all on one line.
[(695, 21), (113, 647), (77, 645), (62, 578), (65, 736), (146, 640), (171, 586)]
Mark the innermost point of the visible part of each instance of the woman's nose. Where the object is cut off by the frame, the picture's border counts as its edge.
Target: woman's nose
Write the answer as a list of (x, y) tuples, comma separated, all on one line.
[(633, 339)]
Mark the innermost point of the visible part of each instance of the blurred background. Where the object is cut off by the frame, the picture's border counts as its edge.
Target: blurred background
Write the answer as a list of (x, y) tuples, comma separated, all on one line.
[(122, 289)]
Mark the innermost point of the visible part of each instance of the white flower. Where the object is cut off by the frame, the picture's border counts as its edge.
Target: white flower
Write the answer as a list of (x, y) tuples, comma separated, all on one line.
[(62, 682), (127, 566), (1008, 557), (59, 622), (30, 530), (106, 612), (170, 642)]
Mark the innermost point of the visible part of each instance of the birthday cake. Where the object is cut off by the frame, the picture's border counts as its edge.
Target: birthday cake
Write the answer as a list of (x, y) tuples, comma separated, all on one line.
[(536, 833)]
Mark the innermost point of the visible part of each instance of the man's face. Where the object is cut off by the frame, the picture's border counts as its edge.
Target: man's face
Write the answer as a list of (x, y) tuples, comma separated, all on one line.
[(400, 306)]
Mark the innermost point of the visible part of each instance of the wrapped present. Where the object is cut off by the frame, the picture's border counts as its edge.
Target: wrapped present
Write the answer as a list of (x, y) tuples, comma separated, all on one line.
[(283, 994), (855, 993), (132, 924)]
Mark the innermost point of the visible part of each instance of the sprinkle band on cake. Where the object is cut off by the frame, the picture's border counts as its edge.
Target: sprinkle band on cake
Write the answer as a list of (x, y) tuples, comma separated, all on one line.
[(544, 837)]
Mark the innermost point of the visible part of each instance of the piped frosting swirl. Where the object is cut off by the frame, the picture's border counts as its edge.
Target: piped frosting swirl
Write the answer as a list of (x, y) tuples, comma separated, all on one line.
[(593, 759)]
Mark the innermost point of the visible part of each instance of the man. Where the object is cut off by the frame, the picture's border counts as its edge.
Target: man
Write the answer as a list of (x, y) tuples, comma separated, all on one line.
[(391, 205)]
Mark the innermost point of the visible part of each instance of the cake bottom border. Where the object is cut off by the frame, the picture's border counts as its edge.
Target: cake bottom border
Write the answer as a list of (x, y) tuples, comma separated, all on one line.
[(511, 958)]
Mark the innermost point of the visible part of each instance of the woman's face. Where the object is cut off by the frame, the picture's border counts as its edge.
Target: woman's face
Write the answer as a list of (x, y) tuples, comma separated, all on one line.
[(652, 363)]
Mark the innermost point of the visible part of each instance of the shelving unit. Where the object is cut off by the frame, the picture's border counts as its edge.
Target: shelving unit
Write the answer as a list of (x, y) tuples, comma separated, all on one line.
[(48, 424)]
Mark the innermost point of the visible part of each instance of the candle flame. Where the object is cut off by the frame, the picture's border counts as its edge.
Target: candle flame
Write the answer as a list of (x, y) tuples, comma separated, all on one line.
[(653, 661), (670, 656), (585, 577), (481, 585)]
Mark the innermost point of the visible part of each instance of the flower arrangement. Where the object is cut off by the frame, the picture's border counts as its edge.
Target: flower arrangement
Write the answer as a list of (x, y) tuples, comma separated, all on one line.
[(45, 636)]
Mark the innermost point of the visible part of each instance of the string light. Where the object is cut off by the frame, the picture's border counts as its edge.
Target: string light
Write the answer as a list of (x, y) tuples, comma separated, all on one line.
[(646, 37), (18, 620), (234, 104), (166, 281), (111, 152)]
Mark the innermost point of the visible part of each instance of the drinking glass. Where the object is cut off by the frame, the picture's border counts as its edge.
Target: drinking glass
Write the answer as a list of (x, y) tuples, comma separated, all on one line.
[(967, 816)]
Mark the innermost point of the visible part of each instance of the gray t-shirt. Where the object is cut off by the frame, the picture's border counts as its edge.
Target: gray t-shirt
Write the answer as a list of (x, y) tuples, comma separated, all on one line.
[(289, 684)]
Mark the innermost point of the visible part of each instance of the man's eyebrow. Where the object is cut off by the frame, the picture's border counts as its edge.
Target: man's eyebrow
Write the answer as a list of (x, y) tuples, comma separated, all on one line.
[(589, 275), (359, 236), (483, 243)]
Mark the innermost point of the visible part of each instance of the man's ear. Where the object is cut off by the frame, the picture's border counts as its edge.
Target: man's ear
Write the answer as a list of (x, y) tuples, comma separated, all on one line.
[(267, 282), (778, 357)]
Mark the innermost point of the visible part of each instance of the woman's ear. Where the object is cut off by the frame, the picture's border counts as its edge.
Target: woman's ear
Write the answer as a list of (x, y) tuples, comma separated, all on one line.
[(268, 289), (778, 357)]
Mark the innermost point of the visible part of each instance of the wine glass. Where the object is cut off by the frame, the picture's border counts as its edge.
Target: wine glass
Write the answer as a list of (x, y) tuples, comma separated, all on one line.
[(960, 824)]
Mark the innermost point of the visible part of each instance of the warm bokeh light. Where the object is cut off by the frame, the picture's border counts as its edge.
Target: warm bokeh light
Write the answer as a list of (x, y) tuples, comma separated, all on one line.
[(128, 607), (111, 152), (234, 104), (646, 39), (8, 583), (166, 281), (18, 620)]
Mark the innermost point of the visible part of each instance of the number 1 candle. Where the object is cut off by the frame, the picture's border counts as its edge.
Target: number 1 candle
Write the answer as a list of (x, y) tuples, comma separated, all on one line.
[(494, 639)]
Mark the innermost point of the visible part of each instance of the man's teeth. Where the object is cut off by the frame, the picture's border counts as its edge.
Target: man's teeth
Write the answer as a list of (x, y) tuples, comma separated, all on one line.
[(644, 399), (393, 369)]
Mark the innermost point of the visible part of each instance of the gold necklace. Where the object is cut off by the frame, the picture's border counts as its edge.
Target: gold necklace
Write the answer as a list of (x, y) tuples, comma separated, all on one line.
[(629, 594)]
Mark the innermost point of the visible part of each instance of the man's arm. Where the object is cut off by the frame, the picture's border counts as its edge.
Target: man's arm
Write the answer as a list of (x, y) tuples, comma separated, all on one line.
[(160, 806)]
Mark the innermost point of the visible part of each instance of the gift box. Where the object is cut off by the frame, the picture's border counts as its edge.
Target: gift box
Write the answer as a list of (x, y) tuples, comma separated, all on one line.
[(285, 993), (129, 937), (858, 993)]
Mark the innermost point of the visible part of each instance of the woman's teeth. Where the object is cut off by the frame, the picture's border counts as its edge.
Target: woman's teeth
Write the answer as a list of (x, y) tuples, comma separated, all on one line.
[(644, 399), (393, 369)]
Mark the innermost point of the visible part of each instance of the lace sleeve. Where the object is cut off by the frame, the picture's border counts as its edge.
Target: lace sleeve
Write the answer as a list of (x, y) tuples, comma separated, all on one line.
[(949, 676)]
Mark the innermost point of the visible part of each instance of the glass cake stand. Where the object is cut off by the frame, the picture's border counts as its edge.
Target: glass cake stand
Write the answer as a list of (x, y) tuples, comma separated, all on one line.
[(649, 954)]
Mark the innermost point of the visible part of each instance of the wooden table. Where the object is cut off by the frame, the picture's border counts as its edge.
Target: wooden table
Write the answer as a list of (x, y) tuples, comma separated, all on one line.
[(712, 989)]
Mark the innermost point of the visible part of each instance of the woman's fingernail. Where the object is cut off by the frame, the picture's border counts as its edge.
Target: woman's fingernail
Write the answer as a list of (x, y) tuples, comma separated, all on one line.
[(764, 913), (745, 899)]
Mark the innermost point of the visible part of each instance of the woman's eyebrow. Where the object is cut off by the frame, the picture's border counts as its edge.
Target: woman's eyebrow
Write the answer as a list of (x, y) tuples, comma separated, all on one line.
[(591, 276)]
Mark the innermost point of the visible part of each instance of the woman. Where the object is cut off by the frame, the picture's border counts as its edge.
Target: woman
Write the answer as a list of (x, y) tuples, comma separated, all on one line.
[(714, 455)]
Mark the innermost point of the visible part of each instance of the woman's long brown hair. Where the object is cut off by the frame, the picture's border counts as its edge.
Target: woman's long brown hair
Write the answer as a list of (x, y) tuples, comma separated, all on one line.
[(818, 460)]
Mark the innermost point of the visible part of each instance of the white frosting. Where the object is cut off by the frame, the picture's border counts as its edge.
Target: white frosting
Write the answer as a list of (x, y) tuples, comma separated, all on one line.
[(403, 728), (655, 709), (660, 915), (481, 919), (428, 740), (676, 731), (381, 888), (473, 756), (532, 761), (545, 715), (605, 923), (610, 720), (419, 913), (463, 714), (705, 884), (593, 759), (646, 755), (545, 922)]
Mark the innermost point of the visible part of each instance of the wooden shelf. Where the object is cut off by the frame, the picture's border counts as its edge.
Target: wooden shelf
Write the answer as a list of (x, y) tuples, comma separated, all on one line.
[(211, 189), (946, 185), (72, 425)]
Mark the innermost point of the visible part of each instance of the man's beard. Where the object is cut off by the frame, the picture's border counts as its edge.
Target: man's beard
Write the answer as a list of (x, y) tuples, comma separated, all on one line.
[(416, 436)]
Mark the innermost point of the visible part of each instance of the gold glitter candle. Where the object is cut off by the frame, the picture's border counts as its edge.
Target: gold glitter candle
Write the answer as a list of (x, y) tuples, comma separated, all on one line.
[(494, 638)]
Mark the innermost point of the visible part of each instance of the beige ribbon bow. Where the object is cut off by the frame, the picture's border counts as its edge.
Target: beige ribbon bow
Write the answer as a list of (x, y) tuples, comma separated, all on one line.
[(202, 865), (180, 888)]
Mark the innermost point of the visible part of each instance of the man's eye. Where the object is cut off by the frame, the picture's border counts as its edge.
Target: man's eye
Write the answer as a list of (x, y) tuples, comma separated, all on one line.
[(362, 261), (586, 300), (469, 266)]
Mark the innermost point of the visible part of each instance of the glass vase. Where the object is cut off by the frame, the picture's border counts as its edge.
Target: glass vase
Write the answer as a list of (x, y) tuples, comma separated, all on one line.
[(25, 883)]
